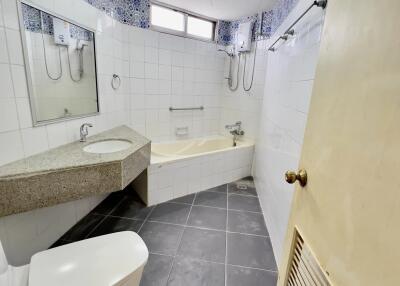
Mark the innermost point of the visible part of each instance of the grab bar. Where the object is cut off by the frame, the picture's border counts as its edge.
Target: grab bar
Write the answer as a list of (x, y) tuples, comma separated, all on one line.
[(186, 108), (290, 31)]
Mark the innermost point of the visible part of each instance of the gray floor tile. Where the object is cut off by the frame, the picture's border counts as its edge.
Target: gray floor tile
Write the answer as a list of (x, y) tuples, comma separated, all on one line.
[(157, 270), (185, 199), (116, 224), (207, 217), (80, 230), (203, 244), (250, 251), (132, 207), (109, 203), (187, 271), (160, 237), (245, 222), (219, 189), (241, 189), (211, 199), (243, 203), (239, 276), (171, 213)]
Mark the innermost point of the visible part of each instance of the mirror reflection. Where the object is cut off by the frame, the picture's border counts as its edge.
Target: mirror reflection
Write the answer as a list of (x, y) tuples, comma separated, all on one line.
[(61, 67)]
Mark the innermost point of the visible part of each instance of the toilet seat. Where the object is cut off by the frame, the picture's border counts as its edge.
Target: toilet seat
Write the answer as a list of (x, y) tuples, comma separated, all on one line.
[(101, 261)]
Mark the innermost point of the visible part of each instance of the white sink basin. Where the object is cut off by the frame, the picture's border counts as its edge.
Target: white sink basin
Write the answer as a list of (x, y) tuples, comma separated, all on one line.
[(107, 146)]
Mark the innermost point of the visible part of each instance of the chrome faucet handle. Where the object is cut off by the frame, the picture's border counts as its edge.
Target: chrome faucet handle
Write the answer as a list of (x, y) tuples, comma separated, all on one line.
[(84, 131)]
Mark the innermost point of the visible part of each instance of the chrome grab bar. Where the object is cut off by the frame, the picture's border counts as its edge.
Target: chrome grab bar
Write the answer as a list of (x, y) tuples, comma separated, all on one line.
[(186, 108)]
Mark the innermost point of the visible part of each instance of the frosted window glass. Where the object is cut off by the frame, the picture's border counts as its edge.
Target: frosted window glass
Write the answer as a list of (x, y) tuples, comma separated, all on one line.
[(167, 18), (200, 28)]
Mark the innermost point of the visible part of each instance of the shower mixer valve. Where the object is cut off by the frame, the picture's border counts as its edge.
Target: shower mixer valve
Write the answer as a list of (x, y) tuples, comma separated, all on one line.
[(235, 130)]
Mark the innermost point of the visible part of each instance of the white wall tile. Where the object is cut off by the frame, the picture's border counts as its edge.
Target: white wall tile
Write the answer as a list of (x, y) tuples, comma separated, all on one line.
[(24, 113), (19, 81), (151, 71), (57, 134), (151, 39), (11, 147), (8, 115), (3, 46), (7, 90), (137, 69), (164, 72), (178, 59), (9, 9), (288, 88), (14, 46), (177, 73), (34, 140), (164, 57), (151, 55)]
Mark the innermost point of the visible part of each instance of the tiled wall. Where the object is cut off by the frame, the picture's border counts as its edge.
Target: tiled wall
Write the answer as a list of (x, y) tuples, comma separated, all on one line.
[(269, 21), (157, 71), (186, 176), (166, 71), (240, 104), (288, 89), (24, 234)]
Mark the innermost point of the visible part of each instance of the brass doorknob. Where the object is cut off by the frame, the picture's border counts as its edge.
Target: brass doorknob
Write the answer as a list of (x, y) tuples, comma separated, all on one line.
[(301, 176)]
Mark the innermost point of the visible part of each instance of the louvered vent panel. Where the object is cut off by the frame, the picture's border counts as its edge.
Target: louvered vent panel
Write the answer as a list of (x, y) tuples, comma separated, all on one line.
[(304, 267)]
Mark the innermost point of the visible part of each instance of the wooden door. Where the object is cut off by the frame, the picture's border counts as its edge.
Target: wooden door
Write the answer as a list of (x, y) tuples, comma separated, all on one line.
[(349, 211)]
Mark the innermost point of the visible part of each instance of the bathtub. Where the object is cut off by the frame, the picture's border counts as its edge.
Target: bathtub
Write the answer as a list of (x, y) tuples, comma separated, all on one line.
[(184, 167)]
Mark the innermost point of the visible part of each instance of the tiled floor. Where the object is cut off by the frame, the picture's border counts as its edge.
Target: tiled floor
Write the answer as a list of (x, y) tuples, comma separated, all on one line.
[(216, 237)]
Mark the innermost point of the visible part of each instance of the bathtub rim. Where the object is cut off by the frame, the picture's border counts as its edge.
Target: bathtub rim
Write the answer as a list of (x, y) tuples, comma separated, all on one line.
[(154, 159)]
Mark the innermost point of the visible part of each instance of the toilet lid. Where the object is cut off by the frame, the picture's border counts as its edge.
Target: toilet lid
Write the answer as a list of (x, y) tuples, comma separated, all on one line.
[(100, 261)]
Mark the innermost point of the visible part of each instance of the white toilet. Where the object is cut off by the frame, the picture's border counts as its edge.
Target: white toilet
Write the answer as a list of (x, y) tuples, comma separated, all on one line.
[(115, 259)]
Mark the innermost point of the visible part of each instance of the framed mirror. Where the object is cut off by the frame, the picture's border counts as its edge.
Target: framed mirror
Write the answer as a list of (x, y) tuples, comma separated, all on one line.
[(60, 64)]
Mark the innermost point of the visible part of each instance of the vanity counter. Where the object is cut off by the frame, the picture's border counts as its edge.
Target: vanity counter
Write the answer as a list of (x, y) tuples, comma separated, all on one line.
[(69, 173)]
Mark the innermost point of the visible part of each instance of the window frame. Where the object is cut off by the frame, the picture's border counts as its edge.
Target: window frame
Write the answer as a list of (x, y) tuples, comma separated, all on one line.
[(185, 14)]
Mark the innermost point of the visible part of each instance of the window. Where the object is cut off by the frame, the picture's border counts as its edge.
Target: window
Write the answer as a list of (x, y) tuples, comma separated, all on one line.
[(167, 18), (176, 22), (200, 28)]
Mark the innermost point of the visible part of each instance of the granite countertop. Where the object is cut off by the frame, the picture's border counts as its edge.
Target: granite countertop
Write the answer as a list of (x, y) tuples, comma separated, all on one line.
[(72, 155), (68, 173)]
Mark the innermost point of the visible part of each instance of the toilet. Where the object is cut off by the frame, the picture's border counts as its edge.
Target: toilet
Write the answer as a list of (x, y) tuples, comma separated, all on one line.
[(115, 259)]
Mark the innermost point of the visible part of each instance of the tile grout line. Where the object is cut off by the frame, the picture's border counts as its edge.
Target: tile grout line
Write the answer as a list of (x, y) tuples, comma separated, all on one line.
[(214, 262), (230, 209), (205, 228), (146, 219), (180, 239), (105, 217)]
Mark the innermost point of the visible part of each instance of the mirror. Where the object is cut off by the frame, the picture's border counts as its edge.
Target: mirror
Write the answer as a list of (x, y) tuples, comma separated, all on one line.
[(60, 66)]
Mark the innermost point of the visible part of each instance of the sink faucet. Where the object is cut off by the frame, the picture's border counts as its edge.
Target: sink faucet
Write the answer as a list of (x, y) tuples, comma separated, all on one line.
[(84, 131), (235, 130)]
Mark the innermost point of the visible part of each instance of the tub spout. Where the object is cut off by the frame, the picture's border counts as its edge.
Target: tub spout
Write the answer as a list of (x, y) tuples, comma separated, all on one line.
[(236, 131)]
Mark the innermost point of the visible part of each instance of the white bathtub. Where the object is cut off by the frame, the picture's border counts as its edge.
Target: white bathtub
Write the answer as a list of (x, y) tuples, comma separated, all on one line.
[(189, 166)]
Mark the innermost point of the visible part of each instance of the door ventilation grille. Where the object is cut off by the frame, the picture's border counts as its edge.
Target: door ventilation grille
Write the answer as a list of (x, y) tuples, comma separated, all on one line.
[(304, 268)]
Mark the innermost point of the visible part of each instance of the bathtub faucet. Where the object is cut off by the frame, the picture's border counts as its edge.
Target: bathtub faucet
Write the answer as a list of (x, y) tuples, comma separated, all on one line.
[(235, 130)]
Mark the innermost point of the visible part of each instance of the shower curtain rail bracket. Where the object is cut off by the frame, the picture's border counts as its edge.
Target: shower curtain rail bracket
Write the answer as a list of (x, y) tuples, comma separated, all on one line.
[(290, 31)]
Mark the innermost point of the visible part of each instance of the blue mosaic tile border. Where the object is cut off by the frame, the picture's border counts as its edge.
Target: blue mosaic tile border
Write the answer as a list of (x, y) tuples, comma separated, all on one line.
[(32, 22), (270, 21), (131, 12), (137, 13)]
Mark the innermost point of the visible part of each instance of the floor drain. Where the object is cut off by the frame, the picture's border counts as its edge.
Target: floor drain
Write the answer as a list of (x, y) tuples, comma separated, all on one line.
[(241, 186)]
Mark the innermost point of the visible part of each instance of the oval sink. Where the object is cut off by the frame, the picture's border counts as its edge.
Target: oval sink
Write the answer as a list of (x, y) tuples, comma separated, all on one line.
[(107, 146)]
